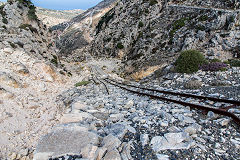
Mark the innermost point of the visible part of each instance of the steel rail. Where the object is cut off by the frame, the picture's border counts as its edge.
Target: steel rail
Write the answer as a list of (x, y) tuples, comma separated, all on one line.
[(195, 106), (181, 94), (103, 84)]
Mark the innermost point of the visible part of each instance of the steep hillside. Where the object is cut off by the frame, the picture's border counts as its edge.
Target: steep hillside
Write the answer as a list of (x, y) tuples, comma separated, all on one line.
[(77, 33), (55, 17), (149, 34), (29, 80)]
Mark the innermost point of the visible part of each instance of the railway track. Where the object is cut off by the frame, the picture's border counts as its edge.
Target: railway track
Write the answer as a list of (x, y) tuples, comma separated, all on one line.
[(161, 95)]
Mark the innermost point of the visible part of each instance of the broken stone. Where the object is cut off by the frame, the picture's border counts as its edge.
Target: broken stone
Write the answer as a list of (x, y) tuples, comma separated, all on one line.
[(64, 141), (171, 141), (111, 142), (112, 155)]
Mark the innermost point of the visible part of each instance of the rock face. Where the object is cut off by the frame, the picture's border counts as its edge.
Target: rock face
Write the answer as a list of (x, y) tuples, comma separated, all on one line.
[(73, 36), (147, 35), (21, 29)]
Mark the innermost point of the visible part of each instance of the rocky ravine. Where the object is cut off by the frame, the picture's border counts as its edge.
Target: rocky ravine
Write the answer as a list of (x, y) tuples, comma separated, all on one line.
[(75, 35), (46, 114), (149, 34)]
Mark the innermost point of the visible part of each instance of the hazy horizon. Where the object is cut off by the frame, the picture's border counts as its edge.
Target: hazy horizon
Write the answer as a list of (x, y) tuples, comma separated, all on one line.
[(65, 4)]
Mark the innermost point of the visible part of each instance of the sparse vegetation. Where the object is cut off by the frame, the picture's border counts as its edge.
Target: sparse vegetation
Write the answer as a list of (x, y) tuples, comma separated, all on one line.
[(105, 20), (12, 44), (54, 60), (28, 27), (153, 2), (189, 61), (83, 83), (25, 2), (178, 24), (4, 20), (2, 12), (120, 45), (32, 13), (140, 24), (234, 62), (203, 18), (4, 27)]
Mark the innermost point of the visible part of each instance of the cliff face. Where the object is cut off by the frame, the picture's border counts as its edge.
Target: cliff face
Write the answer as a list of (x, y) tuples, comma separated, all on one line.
[(21, 29), (73, 36), (149, 34)]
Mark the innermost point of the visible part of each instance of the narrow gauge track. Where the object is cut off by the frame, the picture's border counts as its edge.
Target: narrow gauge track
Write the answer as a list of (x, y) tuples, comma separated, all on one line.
[(221, 111)]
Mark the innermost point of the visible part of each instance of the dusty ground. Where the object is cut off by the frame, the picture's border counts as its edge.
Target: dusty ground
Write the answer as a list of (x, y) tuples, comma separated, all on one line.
[(28, 107)]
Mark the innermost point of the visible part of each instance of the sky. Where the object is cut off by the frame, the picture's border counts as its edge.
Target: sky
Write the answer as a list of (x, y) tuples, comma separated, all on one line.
[(65, 4)]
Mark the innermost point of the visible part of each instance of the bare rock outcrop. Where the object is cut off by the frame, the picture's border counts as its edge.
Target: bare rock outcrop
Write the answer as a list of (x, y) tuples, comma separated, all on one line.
[(148, 35)]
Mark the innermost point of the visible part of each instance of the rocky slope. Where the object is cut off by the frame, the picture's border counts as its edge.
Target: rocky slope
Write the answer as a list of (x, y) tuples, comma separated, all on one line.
[(29, 80), (74, 35), (55, 17), (149, 34)]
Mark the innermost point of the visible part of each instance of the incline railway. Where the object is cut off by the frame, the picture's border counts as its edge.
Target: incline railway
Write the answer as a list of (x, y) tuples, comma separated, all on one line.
[(176, 97)]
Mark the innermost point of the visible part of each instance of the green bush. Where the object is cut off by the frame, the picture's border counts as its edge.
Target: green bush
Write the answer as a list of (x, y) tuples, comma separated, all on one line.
[(140, 24), (4, 27), (25, 2), (54, 61), (234, 63), (153, 2), (5, 21), (2, 12), (32, 13), (189, 61), (120, 45), (83, 83)]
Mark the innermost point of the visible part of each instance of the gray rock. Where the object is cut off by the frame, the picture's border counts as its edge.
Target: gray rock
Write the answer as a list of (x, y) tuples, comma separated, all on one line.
[(171, 141), (89, 151), (193, 84), (162, 157), (185, 119), (126, 152), (8, 50), (100, 115), (191, 130), (110, 142), (211, 115), (129, 104), (118, 130), (144, 138), (112, 155), (63, 141), (116, 117), (201, 35)]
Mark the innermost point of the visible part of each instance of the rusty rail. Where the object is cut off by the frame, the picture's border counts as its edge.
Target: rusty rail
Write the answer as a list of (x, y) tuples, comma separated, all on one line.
[(195, 106), (182, 94)]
